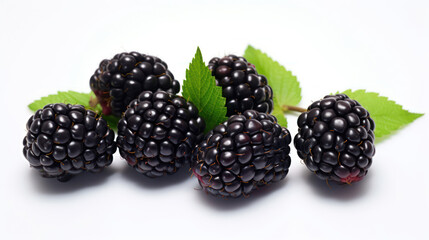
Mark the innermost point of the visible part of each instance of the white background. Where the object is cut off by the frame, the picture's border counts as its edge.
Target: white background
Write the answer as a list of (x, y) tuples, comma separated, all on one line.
[(381, 46)]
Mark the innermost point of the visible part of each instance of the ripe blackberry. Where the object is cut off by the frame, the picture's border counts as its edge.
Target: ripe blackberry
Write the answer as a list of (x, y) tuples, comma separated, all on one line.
[(336, 139), (120, 80), (157, 133), (245, 152), (242, 86), (64, 140)]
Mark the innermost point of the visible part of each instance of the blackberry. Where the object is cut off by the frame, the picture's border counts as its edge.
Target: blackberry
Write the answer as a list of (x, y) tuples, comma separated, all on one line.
[(120, 80), (65, 140), (336, 139), (245, 152), (157, 133), (242, 86)]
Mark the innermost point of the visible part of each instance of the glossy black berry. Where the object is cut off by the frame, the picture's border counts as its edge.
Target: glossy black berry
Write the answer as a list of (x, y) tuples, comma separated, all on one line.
[(336, 139), (157, 133), (243, 88), (64, 140), (245, 152), (121, 79)]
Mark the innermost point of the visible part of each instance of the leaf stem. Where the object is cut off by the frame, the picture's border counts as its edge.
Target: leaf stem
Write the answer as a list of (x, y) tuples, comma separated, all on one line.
[(286, 108), (93, 102)]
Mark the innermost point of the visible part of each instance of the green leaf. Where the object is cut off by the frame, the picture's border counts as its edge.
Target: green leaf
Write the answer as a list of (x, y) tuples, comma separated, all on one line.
[(73, 97), (279, 114), (285, 85), (200, 88), (387, 115), (112, 121)]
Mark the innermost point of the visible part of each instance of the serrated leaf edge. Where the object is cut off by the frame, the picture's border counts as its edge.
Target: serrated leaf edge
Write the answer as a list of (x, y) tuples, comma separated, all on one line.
[(296, 83), (395, 128)]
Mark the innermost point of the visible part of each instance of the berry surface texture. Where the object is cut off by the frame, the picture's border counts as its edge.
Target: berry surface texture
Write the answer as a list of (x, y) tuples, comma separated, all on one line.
[(336, 139)]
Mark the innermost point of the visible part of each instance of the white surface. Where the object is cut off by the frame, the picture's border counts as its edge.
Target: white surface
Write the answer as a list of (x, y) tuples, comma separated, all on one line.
[(381, 46)]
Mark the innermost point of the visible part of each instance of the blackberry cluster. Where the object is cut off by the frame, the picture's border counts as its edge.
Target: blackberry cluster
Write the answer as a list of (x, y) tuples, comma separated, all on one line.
[(242, 86), (120, 80), (157, 133), (336, 139), (65, 140), (247, 151)]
